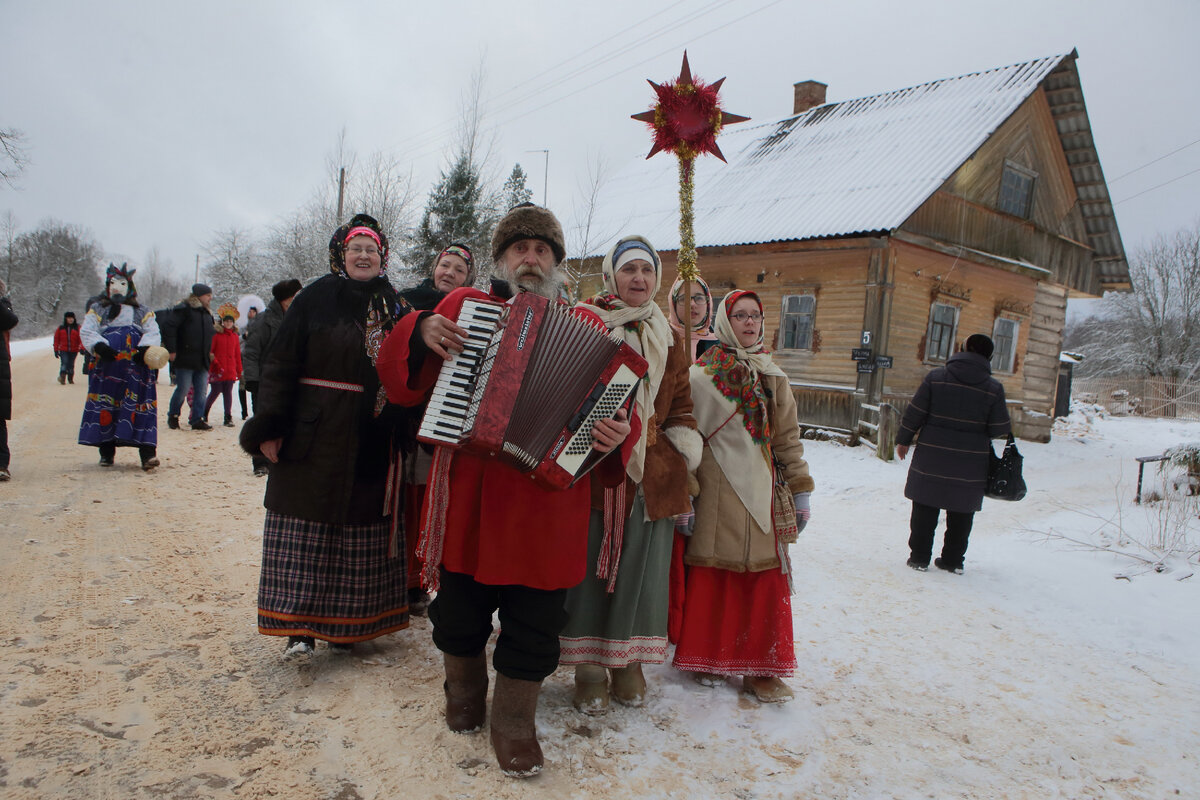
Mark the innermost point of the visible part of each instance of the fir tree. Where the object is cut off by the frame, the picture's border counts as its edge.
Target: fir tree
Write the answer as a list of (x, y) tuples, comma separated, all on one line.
[(459, 210), (514, 191)]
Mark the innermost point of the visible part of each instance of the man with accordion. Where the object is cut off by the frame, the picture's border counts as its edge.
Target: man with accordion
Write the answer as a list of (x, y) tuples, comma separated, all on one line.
[(492, 538)]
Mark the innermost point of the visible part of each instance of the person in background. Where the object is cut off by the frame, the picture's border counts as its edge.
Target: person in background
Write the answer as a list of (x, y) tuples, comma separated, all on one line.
[(617, 617), (8, 321), (225, 368), (453, 267), (67, 345), (251, 315), (333, 548), (492, 539), (699, 309), (188, 339), (956, 412), (258, 339), (122, 401), (737, 613)]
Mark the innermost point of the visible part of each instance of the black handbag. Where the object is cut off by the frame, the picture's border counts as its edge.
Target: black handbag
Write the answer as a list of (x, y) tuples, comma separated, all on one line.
[(1004, 481)]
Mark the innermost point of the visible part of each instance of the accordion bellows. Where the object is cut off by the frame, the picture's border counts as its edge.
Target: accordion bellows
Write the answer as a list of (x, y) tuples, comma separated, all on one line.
[(532, 380)]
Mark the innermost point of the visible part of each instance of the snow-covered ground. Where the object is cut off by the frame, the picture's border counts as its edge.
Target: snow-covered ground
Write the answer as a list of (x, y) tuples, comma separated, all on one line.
[(1048, 670)]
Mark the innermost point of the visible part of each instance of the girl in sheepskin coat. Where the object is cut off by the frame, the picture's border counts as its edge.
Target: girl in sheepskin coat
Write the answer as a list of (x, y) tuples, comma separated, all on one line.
[(737, 617), (618, 615)]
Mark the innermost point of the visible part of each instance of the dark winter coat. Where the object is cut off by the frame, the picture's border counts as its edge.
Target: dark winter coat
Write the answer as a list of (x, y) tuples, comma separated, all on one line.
[(259, 334), (66, 339), (957, 410), (8, 321), (424, 296), (188, 334), (333, 463)]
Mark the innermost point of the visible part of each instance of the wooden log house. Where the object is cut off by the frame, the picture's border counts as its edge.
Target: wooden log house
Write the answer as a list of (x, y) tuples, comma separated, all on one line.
[(890, 228)]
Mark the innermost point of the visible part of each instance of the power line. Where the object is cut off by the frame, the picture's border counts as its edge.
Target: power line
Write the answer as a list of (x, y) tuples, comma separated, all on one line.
[(1155, 161), (423, 141), (1159, 186)]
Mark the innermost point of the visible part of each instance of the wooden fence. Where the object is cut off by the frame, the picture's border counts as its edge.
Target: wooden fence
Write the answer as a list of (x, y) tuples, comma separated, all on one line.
[(1147, 397)]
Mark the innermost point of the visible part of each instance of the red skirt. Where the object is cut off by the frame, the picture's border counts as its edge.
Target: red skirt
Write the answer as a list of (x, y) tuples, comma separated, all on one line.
[(736, 623)]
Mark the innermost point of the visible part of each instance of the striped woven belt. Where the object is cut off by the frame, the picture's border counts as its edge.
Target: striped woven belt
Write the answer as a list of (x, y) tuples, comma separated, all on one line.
[(345, 387)]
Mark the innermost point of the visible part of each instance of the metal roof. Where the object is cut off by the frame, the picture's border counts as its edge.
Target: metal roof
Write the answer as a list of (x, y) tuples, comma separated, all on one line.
[(853, 167)]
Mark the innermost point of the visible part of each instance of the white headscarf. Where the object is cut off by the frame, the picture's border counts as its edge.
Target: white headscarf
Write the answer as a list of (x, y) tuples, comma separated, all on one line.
[(651, 339)]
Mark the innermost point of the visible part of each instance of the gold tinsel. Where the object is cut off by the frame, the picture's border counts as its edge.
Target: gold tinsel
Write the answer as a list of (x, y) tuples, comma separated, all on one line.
[(687, 234)]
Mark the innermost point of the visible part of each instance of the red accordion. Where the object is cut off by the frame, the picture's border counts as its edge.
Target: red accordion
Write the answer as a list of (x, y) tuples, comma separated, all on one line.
[(531, 381)]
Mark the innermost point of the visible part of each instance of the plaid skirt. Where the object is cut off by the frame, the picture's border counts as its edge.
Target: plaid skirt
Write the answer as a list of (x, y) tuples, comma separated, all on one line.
[(331, 582)]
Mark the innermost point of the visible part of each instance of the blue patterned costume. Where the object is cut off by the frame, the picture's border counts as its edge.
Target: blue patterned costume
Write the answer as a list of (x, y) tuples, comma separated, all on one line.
[(122, 400)]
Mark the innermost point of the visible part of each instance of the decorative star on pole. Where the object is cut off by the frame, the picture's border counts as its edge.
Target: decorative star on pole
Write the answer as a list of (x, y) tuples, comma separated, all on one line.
[(686, 120)]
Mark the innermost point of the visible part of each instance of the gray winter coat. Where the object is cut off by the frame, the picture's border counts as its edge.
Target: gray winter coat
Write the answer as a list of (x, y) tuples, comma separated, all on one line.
[(957, 410)]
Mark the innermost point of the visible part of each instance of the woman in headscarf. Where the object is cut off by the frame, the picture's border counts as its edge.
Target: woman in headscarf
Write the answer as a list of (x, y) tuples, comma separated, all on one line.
[(618, 615), (454, 267), (737, 618), (333, 550), (698, 308)]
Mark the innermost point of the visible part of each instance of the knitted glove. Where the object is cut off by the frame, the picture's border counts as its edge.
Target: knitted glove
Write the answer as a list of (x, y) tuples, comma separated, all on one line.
[(803, 512), (686, 523), (104, 351), (140, 356)]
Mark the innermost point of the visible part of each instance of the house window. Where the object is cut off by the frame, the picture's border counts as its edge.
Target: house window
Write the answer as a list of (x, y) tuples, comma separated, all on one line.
[(1016, 190), (797, 323), (943, 319), (1004, 336)]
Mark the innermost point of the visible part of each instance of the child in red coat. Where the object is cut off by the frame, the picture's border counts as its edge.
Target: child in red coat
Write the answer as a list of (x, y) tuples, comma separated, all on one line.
[(226, 366), (67, 345)]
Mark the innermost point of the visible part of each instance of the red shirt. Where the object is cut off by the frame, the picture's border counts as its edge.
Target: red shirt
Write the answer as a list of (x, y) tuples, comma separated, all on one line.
[(501, 528)]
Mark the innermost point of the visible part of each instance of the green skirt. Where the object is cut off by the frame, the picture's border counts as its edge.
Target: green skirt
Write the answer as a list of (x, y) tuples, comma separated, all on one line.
[(629, 624)]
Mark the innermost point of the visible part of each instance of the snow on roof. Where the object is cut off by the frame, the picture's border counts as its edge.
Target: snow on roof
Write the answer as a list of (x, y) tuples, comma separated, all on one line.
[(852, 167)]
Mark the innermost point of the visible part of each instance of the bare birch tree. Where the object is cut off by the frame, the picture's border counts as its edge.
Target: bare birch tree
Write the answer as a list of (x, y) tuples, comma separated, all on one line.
[(14, 156)]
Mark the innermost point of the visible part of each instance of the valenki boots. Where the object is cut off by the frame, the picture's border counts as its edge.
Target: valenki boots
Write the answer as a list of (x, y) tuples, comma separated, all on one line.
[(591, 689), (466, 692), (629, 685), (514, 730)]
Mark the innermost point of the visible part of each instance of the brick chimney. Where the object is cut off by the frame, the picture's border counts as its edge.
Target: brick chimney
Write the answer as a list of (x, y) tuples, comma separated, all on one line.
[(809, 94)]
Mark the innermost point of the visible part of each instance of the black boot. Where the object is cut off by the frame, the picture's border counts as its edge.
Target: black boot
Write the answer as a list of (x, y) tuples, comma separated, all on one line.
[(228, 421), (149, 457), (107, 454)]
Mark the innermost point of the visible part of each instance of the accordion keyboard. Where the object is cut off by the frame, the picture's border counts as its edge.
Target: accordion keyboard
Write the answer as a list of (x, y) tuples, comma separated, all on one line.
[(450, 412)]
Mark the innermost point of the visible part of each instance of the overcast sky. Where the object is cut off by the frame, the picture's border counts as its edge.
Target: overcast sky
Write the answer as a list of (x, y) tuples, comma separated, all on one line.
[(159, 123)]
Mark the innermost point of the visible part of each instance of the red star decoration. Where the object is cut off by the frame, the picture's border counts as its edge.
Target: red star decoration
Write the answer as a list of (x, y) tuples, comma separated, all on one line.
[(688, 116)]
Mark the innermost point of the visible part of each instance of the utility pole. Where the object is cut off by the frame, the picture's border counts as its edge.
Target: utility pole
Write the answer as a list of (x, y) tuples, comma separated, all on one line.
[(341, 192), (197, 278)]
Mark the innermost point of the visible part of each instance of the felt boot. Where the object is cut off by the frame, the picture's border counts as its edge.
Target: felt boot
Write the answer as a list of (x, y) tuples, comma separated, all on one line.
[(766, 689), (629, 685), (591, 689), (466, 692), (514, 730)]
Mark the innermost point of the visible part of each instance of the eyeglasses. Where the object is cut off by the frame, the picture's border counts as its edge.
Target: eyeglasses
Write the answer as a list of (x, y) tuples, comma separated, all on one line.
[(742, 316), (358, 250)]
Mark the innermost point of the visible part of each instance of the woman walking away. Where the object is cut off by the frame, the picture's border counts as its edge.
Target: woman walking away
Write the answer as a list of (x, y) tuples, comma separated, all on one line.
[(333, 549), (957, 410), (618, 615), (226, 367), (737, 614), (67, 345)]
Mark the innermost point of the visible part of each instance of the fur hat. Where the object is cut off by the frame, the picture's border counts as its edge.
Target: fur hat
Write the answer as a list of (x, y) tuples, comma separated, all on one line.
[(286, 289), (528, 221), (337, 242)]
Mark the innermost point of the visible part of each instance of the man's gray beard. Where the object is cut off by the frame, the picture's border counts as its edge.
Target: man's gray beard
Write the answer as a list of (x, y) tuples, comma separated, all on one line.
[(549, 287)]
